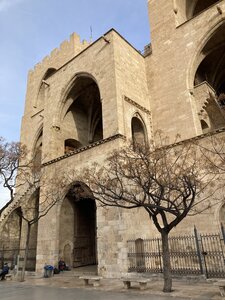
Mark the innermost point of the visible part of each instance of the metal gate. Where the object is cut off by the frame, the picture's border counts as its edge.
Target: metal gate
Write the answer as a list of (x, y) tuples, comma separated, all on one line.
[(189, 255), (85, 252), (213, 255)]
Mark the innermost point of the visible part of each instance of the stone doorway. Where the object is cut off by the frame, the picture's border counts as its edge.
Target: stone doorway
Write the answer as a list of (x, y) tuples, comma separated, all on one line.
[(77, 240), (85, 233)]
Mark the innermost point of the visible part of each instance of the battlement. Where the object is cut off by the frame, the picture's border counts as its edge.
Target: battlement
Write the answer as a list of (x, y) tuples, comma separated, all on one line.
[(59, 56)]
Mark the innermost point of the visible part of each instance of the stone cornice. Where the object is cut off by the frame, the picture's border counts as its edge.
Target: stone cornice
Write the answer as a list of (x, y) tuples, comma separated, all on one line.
[(137, 105), (82, 149), (198, 137)]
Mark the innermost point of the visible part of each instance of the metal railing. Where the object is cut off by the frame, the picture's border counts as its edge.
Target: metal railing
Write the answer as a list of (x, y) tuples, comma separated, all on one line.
[(194, 254), (10, 256)]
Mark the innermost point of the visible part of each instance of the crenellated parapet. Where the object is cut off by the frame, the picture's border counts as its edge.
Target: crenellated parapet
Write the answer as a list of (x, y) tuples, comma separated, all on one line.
[(44, 69), (59, 56)]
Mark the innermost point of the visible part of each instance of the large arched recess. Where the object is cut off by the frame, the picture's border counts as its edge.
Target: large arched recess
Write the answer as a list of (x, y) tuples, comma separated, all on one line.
[(81, 111), (212, 65), (10, 237), (207, 78), (77, 233)]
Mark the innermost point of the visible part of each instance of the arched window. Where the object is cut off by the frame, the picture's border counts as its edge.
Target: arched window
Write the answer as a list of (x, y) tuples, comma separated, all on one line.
[(138, 132)]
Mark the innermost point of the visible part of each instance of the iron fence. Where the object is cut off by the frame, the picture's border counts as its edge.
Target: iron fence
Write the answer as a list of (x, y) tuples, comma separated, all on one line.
[(194, 254), (10, 256), (213, 255)]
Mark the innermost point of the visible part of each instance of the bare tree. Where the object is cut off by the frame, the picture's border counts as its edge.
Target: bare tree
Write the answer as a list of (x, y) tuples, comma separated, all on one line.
[(19, 173), (169, 182), (10, 156), (214, 151), (33, 210)]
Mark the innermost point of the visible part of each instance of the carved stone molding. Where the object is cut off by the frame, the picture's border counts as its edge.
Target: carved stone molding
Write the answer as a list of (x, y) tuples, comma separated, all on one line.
[(137, 105)]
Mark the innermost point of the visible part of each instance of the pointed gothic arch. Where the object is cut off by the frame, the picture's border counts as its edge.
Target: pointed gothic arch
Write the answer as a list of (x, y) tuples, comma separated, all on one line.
[(39, 103), (211, 60), (10, 237), (11, 231), (138, 129), (77, 229), (206, 76), (81, 111)]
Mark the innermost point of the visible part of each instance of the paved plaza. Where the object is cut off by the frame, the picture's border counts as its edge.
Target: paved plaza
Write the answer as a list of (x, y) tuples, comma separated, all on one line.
[(67, 286), (28, 292)]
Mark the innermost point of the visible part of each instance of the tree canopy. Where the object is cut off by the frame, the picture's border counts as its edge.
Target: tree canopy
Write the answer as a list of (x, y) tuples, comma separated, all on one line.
[(169, 182)]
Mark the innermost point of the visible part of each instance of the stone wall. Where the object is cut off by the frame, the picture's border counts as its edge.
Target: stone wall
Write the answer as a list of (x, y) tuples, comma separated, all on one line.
[(171, 67), (157, 89)]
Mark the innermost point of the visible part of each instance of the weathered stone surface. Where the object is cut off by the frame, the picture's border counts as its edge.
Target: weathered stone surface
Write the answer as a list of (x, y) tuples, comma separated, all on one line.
[(84, 98)]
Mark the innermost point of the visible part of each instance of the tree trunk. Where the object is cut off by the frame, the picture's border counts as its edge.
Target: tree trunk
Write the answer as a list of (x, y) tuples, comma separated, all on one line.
[(166, 263), (26, 251)]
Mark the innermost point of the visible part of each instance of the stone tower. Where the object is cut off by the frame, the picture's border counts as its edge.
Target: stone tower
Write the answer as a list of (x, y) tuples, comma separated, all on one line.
[(84, 100), (185, 66)]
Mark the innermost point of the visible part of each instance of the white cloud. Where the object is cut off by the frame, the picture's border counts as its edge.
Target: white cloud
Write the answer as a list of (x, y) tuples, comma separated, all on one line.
[(7, 4)]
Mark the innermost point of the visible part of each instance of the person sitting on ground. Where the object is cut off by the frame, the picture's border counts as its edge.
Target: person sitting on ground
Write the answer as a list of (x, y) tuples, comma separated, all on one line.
[(4, 271), (61, 265)]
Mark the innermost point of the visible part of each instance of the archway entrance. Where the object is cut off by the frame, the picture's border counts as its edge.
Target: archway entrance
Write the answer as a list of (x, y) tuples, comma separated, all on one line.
[(78, 227), (10, 239), (85, 233)]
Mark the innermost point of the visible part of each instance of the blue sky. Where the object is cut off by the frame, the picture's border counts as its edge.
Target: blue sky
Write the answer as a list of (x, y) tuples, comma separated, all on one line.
[(30, 29)]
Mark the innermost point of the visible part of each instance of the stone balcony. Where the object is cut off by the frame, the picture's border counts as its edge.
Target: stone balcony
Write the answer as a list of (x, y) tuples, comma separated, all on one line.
[(208, 108), (202, 93)]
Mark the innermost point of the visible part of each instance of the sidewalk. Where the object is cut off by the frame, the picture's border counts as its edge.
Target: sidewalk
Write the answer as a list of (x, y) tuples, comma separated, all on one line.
[(188, 289)]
